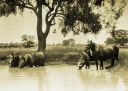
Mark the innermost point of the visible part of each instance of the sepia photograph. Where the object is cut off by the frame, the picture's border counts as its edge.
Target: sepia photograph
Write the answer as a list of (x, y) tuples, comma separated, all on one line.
[(63, 45)]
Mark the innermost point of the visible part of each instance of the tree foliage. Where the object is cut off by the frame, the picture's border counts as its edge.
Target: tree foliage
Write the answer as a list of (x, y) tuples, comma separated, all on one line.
[(76, 15), (121, 38), (79, 17), (111, 13), (8, 7)]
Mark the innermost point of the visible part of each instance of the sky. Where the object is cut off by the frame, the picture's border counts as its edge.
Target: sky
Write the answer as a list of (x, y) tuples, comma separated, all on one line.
[(14, 26)]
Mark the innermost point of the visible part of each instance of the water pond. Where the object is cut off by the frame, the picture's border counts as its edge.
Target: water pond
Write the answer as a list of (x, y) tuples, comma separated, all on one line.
[(58, 78)]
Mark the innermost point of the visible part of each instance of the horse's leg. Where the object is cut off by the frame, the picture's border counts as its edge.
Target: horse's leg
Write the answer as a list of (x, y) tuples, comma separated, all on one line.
[(112, 61), (101, 65), (87, 66), (116, 52), (117, 56), (96, 64)]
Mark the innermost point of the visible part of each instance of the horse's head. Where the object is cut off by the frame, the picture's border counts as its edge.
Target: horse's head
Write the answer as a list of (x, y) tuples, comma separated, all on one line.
[(90, 45), (80, 64), (14, 59), (11, 59)]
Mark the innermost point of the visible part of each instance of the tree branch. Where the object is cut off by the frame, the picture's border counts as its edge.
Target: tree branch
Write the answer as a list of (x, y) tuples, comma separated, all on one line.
[(49, 12), (27, 5), (47, 5), (59, 14), (56, 10)]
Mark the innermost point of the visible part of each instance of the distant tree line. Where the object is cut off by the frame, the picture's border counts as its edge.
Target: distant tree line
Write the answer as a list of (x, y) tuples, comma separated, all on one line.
[(10, 45), (68, 42), (26, 42)]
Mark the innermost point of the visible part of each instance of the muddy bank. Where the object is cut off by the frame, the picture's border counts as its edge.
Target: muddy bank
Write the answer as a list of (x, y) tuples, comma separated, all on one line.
[(121, 71)]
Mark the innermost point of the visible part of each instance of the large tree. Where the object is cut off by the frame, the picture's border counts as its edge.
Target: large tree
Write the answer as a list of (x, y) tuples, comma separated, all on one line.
[(77, 15)]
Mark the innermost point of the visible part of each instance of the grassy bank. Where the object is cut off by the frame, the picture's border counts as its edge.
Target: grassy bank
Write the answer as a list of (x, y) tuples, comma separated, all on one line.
[(68, 54), (123, 58), (4, 52), (53, 54)]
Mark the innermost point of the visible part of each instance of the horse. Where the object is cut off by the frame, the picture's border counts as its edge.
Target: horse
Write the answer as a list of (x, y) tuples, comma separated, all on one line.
[(32, 59), (103, 53), (84, 60), (14, 59)]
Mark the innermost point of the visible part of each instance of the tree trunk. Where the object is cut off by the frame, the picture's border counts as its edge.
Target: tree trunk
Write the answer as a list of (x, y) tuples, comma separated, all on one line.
[(40, 34), (41, 43)]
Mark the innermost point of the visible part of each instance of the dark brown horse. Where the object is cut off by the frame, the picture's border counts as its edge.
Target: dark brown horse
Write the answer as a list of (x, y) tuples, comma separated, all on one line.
[(33, 59), (14, 59), (103, 53)]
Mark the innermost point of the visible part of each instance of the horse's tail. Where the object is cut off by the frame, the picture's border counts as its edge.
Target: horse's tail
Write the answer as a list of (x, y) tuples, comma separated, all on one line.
[(116, 51)]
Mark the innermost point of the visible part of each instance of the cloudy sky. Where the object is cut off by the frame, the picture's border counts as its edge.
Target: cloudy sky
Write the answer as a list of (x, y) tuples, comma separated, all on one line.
[(13, 27)]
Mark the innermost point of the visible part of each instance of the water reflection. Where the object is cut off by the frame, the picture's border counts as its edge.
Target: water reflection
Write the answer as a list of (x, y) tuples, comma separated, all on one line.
[(58, 78)]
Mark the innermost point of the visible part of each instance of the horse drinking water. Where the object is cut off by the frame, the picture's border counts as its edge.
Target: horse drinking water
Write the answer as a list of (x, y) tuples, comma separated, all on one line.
[(84, 60), (103, 53)]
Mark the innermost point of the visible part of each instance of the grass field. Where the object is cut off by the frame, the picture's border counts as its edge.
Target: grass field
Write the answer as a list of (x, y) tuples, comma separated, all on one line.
[(68, 54)]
